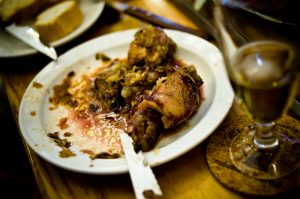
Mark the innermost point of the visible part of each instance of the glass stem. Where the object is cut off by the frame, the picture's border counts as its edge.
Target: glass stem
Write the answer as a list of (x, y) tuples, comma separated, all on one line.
[(266, 138)]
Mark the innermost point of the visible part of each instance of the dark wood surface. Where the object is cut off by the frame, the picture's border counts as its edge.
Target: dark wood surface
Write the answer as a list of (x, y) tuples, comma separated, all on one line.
[(185, 177)]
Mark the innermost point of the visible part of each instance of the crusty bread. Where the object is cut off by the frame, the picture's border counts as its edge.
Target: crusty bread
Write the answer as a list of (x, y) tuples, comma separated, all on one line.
[(12, 10), (59, 20), (9, 9)]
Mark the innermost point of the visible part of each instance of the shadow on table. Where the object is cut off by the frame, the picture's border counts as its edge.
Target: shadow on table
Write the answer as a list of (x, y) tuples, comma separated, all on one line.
[(16, 177)]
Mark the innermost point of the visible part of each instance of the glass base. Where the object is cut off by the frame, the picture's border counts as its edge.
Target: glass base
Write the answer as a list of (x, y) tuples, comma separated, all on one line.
[(266, 164)]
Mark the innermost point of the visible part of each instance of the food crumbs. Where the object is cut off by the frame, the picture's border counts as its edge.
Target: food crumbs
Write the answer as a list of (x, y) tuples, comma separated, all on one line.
[(53, 135), (105, 155), (33, 113), (67, 134), (65, 153), (63, 143), (61, 94), (89, 152), (37, 85), (60, 142), (63, 123), (103, 57)]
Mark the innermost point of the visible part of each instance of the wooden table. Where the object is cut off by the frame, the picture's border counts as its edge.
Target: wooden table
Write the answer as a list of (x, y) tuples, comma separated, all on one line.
[(185, 177)]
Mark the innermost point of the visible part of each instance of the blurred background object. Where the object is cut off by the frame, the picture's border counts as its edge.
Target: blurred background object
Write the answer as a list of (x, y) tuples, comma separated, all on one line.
[(277, 13)]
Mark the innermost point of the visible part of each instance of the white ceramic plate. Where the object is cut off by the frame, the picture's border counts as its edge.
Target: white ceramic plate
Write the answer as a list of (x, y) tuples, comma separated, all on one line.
[(193, 50), (12, 47)]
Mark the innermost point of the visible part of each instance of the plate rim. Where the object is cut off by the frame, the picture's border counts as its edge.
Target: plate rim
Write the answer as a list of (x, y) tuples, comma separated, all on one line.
[(225, 103)]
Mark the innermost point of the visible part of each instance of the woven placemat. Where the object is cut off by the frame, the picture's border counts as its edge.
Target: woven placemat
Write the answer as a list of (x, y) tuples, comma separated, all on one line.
[(224, 171)]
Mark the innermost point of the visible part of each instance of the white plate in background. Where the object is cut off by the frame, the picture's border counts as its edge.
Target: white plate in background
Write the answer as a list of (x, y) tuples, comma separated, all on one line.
[(13, 47)]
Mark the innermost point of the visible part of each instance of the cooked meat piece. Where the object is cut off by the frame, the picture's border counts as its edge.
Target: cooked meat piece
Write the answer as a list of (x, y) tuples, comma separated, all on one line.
[(176, 98), (147, 126), (108, 94), (107, 86), (139, 80), (150, 46), (147, 56), (173, 100)]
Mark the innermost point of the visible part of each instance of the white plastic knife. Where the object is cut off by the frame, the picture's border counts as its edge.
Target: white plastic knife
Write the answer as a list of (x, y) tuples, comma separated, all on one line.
[(142, 177), (32, 38)]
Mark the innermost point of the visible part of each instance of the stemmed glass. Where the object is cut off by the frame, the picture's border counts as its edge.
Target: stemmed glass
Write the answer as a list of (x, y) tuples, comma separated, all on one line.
[(261, 60)]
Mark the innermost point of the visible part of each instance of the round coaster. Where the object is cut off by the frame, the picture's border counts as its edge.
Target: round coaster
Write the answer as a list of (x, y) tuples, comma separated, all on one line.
[(220, 165)]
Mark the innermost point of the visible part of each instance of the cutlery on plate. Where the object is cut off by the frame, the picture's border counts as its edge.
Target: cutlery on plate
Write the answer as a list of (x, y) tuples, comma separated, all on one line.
[(29, 36), (154, 19), (142, 177)]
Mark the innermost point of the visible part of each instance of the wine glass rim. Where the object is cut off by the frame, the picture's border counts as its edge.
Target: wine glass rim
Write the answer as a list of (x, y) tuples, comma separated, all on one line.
[(258, 48), (268, 45)]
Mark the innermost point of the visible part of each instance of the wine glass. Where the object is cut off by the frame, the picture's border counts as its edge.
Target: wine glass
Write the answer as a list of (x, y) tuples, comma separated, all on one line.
[(261, 58)]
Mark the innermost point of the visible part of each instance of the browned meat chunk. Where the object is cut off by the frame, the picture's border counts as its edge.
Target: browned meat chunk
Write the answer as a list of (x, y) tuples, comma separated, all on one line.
[(150, 46), (107, 86), (173, 101), (146, 127), (147, 56)]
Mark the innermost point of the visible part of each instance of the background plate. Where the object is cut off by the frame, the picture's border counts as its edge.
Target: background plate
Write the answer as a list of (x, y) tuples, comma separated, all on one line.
[(12, 47), (206, 57)]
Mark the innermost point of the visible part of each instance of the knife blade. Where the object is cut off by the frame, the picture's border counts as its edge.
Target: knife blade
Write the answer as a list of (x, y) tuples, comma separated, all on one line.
[(142, 177), (31, 37), (154, 19)]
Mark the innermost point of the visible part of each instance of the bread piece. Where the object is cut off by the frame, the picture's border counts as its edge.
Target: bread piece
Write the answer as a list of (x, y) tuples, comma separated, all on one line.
[(13, 10), (59, 20), (10, 9)]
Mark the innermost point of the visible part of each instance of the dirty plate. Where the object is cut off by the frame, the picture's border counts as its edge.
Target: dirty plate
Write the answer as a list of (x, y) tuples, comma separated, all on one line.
[(36, 120)]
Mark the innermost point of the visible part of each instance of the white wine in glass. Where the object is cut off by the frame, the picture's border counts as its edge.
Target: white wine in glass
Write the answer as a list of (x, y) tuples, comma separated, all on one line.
[(265, 81)]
